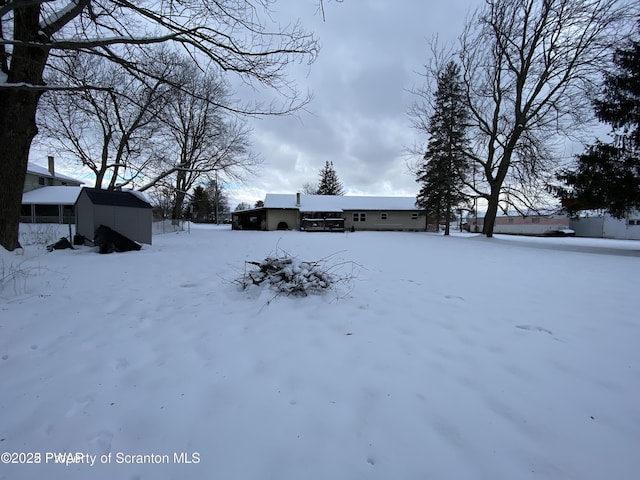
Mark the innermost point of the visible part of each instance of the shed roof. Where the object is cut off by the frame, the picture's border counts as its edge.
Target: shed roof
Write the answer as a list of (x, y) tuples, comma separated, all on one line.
[(338, 203), (58, 195), (118, 198)]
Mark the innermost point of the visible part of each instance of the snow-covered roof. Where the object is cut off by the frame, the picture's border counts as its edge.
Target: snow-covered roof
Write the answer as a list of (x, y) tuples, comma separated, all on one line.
[(60, 195), (43, 172), (338, 203)]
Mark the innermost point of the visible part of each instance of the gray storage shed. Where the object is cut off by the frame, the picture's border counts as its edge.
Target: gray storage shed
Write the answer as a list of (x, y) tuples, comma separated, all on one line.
[(123, 211)]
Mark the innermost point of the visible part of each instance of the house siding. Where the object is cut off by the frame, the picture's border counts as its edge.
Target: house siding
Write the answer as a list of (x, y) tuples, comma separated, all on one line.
[(32, 181), (396, 220), (290, 217)]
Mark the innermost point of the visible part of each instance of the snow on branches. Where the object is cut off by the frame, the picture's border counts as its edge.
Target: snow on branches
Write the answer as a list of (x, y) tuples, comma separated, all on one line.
[(291, 276)]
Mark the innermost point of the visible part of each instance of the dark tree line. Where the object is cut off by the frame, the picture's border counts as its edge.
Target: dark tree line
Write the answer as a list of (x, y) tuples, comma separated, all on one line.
[(207, 204)]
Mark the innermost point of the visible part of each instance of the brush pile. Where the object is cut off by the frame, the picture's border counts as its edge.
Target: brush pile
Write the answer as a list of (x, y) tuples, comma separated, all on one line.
[(290, 276)]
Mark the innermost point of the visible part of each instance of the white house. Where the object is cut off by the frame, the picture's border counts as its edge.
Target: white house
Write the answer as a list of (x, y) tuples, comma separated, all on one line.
[(331, 213)]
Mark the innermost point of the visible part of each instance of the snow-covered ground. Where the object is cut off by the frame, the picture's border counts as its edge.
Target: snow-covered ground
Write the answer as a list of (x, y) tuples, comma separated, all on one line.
[(447, 358)]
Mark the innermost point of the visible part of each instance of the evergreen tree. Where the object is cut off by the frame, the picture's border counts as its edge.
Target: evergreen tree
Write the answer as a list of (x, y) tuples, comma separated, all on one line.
[(443, 173), (607, 176), (218, 199), (200, 205), (329, 183)]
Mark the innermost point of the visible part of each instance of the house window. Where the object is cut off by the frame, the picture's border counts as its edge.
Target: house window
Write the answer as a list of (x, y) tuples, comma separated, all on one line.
[(383, 215), (359, 217), (535, 220), (635, 222), (41, 181), (414, 216), (511, 220)]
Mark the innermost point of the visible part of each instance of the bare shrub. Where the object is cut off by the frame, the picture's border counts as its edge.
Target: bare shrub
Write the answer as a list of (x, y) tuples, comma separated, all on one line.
[(15, 275), (40, 233)]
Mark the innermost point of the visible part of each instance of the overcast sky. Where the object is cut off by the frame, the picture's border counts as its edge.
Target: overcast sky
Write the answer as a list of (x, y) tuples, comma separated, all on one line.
[(371, 54)]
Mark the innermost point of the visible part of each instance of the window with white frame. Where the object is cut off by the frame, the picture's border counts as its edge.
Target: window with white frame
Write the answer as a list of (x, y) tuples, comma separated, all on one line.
[(634, 222), (359, 217), (383, 215)]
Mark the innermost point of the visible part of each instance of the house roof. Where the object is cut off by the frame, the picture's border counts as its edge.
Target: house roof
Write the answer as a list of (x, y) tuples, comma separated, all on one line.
[(118, 198), (43, 172), (338, 203), (61, 195)]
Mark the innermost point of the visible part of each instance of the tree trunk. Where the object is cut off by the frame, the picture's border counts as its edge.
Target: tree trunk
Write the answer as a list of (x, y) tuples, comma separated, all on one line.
[(448, 218), (18, 118), (492, 212), (177, 206), (17, 130)]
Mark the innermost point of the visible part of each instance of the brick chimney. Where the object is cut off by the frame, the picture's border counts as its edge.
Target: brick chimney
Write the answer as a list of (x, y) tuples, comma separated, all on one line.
[(52, 169)]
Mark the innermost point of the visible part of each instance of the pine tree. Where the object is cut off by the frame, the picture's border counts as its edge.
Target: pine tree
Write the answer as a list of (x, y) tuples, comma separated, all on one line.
[(607, 176), (445, 167), (329, 183), (200, 205)]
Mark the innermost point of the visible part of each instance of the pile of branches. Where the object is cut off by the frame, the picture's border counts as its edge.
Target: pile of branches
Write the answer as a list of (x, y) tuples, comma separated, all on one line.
[(290, 276)]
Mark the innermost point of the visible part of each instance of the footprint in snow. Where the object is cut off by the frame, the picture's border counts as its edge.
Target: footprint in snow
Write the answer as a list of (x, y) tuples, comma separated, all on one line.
[(534, 328), (79, 405), (122, 363), (453, 297), (101, 442)]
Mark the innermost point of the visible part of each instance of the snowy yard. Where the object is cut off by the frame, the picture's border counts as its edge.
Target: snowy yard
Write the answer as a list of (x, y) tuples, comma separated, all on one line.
[(449, 358)]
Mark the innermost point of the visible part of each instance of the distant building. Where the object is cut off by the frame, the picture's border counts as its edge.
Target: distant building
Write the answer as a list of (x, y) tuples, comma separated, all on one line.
[(518, 224), (331, 213), (48, 197), (602, 225), (38, 177)]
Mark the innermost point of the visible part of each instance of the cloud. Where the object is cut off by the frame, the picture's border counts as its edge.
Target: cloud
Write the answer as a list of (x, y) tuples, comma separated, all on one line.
[(357, 119)]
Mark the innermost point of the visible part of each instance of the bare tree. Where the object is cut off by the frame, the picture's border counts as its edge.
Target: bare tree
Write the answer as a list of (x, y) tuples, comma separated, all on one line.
[(528, 67), (232, 35), (109, 131), (199, 138), (309, 188)]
